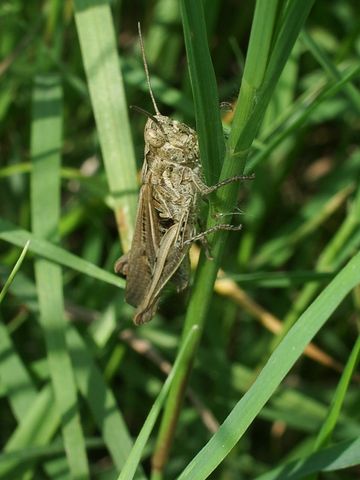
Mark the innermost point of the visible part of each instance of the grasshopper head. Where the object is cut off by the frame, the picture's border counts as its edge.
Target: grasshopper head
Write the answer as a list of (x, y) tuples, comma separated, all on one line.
[(171, 140)]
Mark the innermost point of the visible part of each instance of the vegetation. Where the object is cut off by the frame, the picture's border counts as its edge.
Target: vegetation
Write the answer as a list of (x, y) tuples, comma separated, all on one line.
[(264, 351)]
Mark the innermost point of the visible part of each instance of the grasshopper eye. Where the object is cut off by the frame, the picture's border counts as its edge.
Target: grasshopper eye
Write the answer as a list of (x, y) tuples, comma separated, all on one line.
[(155, 138)]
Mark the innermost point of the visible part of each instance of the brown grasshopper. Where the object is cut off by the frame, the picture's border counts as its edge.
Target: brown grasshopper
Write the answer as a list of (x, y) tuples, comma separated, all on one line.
[(167, 215)]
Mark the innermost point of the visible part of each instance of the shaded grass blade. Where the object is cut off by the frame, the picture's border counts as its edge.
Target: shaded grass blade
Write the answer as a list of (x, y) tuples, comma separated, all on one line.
[(14, 376), (14, 271), (91, 384), (349, 89), (135, 455), (46, 137), (38, 424), (101, 401), (328, 426), (336, 457)]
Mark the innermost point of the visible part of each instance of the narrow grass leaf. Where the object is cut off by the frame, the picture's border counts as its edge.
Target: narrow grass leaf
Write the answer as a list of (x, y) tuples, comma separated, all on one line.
[(100, 400), (90, 380), (14, 376), (36, 428), (48, 451), (245, 127), (337, 457), (203, 84), (350, 90), (46, 137), (45, 249), (273, 373), (332, 418), (134, 458), (98, 48), (240, 140), (14, 271)]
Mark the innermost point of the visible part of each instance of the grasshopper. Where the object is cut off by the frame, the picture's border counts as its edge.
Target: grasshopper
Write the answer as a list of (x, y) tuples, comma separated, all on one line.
[(167, 214)]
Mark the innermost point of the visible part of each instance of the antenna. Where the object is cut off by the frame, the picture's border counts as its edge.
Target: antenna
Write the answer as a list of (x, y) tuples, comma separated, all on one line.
[(144, 112), (157, 111)]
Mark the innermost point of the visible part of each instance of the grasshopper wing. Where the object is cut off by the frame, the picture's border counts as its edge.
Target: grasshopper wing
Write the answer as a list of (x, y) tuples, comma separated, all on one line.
[(170, 257), (144, 248)]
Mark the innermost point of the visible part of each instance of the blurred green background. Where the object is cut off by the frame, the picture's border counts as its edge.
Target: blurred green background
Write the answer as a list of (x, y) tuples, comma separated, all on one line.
[(300, 216)]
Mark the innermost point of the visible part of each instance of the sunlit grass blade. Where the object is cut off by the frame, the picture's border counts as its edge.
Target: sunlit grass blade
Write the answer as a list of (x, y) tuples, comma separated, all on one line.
[(273, 373), (46, 138), (204, 89), (99, 53), (43, 248)]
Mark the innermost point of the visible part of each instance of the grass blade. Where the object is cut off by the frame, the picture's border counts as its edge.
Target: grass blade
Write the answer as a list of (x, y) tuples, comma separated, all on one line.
[(14, 271), (135, 455), (203, 83), (98, 47), (14, 376), (328, 426), (38, 424), (251, 108), (45, 249), (101, 401), (336, 457), (46, 137), (273, 373)]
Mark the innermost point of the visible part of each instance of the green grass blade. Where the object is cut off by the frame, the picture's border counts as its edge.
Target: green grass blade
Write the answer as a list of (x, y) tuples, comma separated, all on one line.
[(46, 137), (14, 271), (89, 378), (98, 47), (32, 454), (302, 111), (36, 428), (250, 109), (45, 249), (14, 376), (211, 144), (326, 261), (332, 418), (257, 59), (203, 83), (273, 373), (100, 399), (350, 90), (134, 458), (336, 457), (246, 125)]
